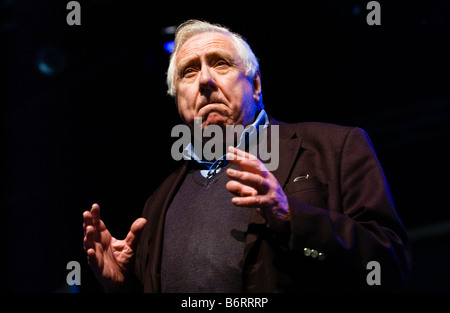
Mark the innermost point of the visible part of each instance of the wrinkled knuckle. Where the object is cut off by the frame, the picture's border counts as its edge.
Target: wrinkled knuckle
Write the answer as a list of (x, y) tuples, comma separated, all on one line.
[(259, 200), (263, 182), (243, 176)]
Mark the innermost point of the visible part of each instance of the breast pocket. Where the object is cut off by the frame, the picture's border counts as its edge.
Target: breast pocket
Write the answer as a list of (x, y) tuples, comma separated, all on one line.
[(309, 190)]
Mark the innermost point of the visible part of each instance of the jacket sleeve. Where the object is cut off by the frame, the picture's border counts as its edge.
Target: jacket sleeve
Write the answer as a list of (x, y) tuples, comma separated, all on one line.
[(342, 241)]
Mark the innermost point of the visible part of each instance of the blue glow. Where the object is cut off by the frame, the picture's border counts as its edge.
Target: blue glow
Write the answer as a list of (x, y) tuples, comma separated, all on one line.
[(44, 68), (356, 10), (169, 46), (51, 60)]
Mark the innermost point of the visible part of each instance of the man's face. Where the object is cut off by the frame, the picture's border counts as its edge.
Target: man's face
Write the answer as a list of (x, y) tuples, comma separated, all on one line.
[(210, 82)]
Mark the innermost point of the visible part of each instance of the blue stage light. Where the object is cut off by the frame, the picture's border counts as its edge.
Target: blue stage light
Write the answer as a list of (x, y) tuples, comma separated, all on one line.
[(356, 10), (169, 46), (51, 60)]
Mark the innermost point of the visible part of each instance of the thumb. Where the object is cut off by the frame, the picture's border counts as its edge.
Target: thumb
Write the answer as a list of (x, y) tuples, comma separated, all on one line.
[(135, 232)]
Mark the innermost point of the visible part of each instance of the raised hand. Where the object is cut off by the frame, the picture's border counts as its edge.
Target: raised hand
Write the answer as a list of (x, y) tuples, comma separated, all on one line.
[(258, 188), (110, 259)]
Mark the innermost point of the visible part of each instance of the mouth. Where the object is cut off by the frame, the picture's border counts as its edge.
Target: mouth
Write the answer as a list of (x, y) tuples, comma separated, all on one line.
[(212, 112), (211, 106), (211, 102)]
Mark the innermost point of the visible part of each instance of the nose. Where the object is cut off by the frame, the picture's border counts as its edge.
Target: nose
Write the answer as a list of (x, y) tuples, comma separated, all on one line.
[(207, 83)]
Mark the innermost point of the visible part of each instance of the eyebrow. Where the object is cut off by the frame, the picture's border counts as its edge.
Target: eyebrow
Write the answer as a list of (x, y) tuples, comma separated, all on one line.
[(213, 54)]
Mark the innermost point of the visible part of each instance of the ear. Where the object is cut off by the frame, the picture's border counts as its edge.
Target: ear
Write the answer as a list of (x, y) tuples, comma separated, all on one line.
[(257, 86)]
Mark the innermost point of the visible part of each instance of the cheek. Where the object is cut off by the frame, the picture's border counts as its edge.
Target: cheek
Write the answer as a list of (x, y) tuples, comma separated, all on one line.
[(243, 96), (185, 98), (185, 108), (233, 88)]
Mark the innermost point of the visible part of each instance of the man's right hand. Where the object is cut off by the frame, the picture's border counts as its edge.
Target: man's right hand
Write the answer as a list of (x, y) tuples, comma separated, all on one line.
[(110, 259)]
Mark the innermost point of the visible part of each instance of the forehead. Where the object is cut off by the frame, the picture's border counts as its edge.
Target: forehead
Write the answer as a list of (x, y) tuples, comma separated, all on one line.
[(204, 43)]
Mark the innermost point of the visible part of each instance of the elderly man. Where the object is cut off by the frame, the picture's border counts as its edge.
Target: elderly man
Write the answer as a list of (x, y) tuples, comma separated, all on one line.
[(322, 220)]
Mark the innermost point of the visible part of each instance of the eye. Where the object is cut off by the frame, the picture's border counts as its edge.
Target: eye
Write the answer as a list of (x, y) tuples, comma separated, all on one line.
[(188, 71), (222, 63)]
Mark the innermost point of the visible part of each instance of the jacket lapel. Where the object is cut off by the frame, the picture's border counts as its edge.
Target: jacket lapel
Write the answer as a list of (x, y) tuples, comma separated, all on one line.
[(289, 147)]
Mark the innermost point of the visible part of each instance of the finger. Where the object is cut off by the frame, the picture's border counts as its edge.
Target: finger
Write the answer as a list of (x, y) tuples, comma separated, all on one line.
[(95, 211), (240, 189), (250, 179), (87, 220), (252, 166), (135, 232), (241, 154), (89, 238), (250, 201), (246, 161), (96, 221), (89, 246), (92, 259), (235, 154)]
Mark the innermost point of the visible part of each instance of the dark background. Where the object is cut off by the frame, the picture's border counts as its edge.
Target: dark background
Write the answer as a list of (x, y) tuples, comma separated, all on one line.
[(86, 118)]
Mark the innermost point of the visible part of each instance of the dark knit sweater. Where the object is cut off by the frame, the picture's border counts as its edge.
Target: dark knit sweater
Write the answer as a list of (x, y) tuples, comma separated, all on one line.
[(203, 237)]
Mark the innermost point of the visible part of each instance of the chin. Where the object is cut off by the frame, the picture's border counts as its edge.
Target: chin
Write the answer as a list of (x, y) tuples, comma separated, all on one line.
[(215, 118)]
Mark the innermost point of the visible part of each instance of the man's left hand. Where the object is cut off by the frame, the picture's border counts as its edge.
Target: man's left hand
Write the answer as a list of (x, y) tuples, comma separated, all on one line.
[(256, 187)]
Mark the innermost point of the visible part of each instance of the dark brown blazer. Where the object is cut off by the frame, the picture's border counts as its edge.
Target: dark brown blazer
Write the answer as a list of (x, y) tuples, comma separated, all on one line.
[(340, 207)]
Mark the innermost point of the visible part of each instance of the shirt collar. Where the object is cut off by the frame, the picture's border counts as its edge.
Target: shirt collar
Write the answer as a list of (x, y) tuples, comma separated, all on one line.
[(262, 120)]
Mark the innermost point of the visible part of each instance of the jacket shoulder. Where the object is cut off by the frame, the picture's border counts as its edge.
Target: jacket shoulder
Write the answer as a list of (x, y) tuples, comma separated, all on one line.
[(319, 130)]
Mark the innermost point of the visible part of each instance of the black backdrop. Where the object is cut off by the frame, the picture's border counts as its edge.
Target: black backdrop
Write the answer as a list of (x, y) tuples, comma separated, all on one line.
[(86, 118)]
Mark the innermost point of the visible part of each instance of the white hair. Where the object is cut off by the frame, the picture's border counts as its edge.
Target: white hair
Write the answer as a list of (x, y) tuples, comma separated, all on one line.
[(193, 27)]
